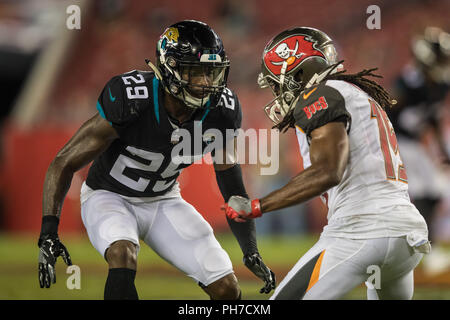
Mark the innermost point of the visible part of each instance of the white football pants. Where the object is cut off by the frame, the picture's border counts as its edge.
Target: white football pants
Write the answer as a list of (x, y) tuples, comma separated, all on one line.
[(170, 226), (334, 266)]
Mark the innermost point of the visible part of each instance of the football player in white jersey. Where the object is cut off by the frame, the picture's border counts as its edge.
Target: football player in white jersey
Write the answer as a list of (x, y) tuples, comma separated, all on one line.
[(351, 160)]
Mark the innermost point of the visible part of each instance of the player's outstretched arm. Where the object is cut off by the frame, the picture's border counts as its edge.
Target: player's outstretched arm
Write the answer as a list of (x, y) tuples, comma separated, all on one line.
[(329, 150), (93, 137)]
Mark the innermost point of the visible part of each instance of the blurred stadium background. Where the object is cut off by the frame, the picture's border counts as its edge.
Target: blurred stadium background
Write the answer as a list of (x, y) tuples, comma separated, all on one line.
[(50, 78)]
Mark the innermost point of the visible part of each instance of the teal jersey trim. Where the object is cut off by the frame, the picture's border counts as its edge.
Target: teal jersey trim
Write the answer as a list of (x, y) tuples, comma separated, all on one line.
[(155, 98), (207, 110), (102, 113), (204, 115)]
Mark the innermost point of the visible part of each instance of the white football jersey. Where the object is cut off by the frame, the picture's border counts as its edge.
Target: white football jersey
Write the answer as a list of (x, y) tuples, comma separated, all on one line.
[(372, 198)]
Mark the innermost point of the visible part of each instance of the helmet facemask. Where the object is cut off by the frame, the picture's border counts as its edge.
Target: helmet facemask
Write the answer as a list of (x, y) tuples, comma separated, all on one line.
[(202, 82), (285, 89), (195, 83)]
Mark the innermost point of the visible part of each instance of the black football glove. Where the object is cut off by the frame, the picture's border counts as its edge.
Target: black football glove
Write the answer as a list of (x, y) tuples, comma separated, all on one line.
[(50, 248), (256, 265)]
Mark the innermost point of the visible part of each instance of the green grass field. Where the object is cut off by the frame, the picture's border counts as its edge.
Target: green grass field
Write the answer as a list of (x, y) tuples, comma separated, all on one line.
[(155, 279)]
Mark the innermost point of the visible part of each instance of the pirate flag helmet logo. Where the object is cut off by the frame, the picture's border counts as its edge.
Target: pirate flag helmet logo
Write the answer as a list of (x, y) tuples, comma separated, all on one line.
[(292, 50)]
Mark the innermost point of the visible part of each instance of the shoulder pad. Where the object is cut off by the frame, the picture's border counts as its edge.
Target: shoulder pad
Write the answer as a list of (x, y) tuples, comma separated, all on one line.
[(125, 97), (317, 106)]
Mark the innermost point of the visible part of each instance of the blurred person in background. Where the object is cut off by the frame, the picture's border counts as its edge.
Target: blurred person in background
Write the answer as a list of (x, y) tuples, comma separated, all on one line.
[(351, 160), (131, 191), (420, 91)]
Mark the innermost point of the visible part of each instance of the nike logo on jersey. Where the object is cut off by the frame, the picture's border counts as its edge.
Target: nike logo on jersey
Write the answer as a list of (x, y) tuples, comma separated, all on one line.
[(110, 96), (306, 96), (319, 104)]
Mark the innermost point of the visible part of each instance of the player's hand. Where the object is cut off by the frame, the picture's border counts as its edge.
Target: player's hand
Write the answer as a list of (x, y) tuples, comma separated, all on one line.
[(50, 248), (256, 265), (240, 209)]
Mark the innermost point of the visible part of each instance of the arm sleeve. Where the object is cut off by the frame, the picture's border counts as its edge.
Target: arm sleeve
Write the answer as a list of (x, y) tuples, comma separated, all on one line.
[(323, 104), (230, 183)]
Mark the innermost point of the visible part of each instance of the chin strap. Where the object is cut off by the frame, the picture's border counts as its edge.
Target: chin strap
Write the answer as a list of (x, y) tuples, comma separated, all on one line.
[(155, 69)]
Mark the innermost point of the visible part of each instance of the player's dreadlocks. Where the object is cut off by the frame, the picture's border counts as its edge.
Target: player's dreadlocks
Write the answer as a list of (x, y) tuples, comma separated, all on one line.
[(359, 79)]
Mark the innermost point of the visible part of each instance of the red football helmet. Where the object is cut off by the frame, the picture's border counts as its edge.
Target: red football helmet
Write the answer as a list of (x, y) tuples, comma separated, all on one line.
[(289, 61)]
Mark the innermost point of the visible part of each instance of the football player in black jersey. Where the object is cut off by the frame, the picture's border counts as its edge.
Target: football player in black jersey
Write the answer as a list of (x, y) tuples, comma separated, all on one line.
[(420, 91), (131, 191)]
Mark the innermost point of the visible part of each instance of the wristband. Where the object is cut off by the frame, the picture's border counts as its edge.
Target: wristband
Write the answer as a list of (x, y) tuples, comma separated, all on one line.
[(230, 182), (256, 208), (49, 225)]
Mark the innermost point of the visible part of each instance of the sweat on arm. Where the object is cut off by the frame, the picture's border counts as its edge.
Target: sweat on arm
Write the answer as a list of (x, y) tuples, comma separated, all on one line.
[(93, 137)]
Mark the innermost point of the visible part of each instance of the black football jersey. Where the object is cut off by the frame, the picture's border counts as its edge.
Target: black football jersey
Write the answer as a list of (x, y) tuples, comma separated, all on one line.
[(318, 106), (142, 162), (419, 103)]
